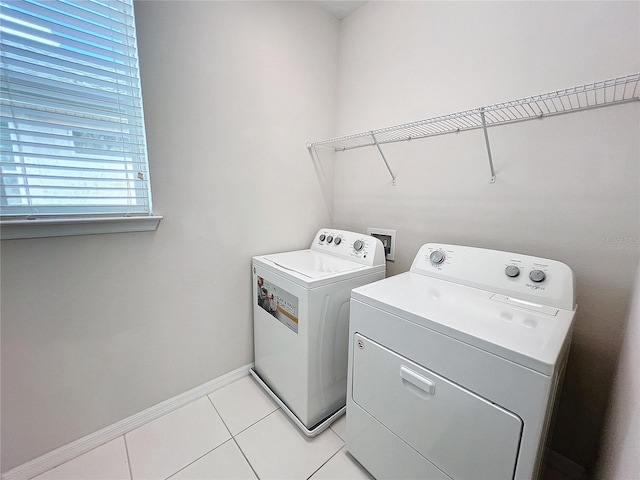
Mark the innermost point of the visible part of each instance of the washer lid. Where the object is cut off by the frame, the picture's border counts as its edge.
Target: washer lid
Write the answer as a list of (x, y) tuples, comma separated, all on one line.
[(312, 264)]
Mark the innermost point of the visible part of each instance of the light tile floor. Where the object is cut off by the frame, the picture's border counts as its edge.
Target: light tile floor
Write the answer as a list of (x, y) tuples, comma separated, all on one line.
[(237, 432)]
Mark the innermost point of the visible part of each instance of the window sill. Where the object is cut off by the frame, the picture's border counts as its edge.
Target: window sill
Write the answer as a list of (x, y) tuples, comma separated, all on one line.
[(57, 227)]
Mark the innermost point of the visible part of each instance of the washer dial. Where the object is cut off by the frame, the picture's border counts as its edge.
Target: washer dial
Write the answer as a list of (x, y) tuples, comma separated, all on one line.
[(512, 271), (537, 276), (437, 257), (337, 241), (358, 245)]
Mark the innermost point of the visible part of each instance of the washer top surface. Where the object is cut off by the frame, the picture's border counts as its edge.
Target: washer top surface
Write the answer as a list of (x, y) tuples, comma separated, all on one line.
[(313, 264), (500, 318), (334, 255)]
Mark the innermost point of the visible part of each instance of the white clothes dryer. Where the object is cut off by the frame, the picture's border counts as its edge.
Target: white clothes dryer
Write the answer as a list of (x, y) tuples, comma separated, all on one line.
[(301, 322), (454, 365)]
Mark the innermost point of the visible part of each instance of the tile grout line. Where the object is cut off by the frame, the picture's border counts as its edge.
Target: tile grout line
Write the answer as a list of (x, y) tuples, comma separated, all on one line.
[(218, 413), (249, 426), (245, 457), (234, 438), (244, 430), (126, 448), (197, 459), (214, 448), (337, 434), (328, 459), (254, 423)]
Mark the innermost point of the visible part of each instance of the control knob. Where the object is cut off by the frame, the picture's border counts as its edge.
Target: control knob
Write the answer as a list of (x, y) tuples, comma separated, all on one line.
[(322, 237), (537, 276), (437, 257), (329, 239), (512, 271), (358, 245), (337, 241)]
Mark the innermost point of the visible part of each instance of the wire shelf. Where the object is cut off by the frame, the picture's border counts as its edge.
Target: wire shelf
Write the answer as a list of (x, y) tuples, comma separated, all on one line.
[(592, 95)]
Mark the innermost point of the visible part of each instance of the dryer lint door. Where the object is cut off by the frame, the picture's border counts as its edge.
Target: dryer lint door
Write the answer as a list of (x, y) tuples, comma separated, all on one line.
[(462, 434)]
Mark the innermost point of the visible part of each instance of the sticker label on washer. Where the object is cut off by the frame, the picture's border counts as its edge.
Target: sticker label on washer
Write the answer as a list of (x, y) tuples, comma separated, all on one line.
[(279, 303)]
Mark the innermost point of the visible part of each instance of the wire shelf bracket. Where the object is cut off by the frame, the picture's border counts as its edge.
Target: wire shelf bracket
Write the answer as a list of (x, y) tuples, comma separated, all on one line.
[(375, 140), (604, 93), (492, 179)]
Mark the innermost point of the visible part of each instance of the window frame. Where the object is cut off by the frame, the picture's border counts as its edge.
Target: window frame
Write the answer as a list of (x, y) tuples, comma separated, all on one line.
[(18, 225)]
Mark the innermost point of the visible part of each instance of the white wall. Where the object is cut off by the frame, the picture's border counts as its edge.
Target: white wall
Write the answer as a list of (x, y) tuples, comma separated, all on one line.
[(567, 187), (621, 440), (97, 328)]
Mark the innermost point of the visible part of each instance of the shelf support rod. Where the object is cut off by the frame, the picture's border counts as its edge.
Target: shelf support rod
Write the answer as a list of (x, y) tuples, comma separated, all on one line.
[(486, 139), (309, 146), (375, 140)]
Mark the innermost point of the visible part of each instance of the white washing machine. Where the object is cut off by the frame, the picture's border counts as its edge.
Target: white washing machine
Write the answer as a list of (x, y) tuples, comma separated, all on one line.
[(301, 322), (454, 365)]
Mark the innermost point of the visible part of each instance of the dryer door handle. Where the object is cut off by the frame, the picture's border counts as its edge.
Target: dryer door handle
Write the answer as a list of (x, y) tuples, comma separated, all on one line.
[(416, 383)]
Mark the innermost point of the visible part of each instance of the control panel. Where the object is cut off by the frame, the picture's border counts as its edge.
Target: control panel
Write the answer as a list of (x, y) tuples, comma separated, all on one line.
[(515, 277), (358, 247)]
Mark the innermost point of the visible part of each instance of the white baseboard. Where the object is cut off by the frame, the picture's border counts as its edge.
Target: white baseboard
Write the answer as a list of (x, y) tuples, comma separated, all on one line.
[(85, 444), (568, 467)]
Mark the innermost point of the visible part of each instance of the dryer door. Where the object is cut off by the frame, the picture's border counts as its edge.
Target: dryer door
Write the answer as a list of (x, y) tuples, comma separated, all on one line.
[(464, 435)]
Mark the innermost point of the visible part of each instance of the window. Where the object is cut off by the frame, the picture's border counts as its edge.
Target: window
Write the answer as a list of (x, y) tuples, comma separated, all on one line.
[(72, 127)]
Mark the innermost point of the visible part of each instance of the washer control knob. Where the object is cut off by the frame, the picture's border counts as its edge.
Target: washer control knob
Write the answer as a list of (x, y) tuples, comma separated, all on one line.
[(512, 271), (337, 241), (322, 237), (329, 239), (437, 257), (358, 245), (537, 276)]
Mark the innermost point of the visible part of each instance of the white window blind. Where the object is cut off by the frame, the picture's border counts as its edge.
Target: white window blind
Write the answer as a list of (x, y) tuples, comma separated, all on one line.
[(72, 127)]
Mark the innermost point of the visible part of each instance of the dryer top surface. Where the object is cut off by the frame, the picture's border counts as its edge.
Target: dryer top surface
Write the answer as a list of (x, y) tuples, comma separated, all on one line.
[(519, 332)]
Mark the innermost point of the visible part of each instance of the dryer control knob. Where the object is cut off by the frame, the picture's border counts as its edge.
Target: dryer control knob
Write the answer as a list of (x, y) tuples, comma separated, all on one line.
[(537, 276), (358, 245), (437, 257), (512, 271), (337, 241)]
